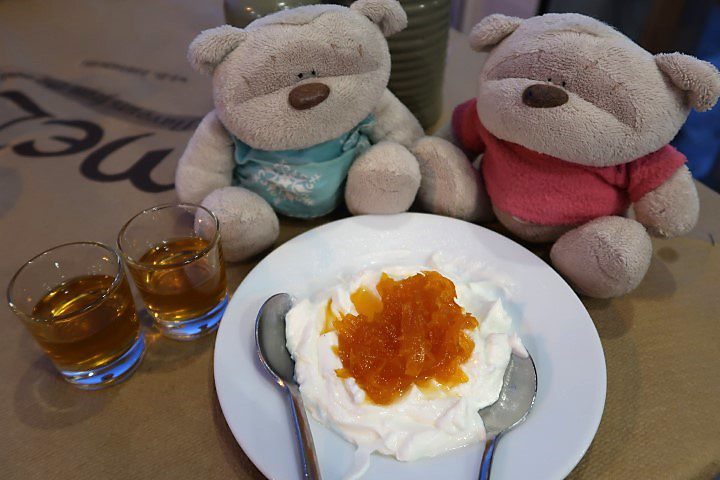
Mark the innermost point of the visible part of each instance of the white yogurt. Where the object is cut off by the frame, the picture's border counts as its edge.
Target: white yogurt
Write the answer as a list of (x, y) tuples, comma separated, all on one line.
[(417, 425)]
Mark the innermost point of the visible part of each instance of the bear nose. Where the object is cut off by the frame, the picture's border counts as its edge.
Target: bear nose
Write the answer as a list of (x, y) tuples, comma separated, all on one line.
[(308, 95), (544, 96)]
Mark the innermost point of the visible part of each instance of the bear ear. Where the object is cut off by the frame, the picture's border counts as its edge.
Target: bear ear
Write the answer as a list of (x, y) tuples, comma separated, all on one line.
[(492, 30), (212, 46), (700, 79), (386, 14)]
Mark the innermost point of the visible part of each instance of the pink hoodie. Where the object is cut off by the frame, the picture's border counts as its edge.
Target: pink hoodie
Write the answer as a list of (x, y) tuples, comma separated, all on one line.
[(545, 190)]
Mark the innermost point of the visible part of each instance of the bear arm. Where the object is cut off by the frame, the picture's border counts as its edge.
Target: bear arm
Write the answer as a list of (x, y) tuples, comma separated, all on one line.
[(207, 162), (672, 208), (466, 129), (394, 122)]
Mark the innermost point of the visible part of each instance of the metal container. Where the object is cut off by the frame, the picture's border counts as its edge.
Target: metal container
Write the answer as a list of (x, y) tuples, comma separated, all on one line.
[(418, 58), (239, 13)]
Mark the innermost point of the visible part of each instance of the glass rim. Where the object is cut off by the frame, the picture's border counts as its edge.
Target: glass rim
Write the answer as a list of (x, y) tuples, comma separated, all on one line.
[(196, 256), (113, 286)]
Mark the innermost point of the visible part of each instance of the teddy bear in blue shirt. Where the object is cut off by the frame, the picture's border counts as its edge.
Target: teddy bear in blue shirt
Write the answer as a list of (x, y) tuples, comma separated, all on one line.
[(302, 118)]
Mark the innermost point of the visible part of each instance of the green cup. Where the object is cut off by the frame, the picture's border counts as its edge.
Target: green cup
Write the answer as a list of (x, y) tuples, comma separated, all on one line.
[(239, 13), (418, 58)]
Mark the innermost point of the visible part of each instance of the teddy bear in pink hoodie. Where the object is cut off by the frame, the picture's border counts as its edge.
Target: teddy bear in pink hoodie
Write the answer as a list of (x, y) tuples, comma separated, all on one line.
[(573, 121)]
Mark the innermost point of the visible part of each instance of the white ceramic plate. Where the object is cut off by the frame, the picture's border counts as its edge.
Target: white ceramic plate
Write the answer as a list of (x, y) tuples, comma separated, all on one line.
[(552, 322)]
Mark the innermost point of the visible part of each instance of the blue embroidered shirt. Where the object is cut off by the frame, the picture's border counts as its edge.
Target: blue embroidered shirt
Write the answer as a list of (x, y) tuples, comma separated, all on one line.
[(302, 183)]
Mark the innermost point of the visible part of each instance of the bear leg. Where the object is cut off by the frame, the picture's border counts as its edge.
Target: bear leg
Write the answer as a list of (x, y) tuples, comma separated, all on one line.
[(383, 180), (248, 224), (604, 258)]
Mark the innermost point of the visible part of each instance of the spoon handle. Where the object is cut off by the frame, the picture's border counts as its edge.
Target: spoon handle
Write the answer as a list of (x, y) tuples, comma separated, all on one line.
[(311, 469), (487, 457)]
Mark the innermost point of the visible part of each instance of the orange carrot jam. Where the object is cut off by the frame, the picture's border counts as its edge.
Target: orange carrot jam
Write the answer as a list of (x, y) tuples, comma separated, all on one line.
[(413, 334)]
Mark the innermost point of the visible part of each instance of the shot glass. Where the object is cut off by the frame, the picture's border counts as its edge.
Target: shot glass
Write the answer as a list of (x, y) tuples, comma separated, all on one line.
[(75, 301), (174, 257)]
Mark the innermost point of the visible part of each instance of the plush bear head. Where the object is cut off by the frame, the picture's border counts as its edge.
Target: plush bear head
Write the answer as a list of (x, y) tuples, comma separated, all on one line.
[(572, 87), (299, 77)]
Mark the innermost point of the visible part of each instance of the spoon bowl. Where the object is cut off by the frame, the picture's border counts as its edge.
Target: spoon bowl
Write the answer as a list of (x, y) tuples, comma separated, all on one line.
[(270, 339), (517, 397), (273, 353)]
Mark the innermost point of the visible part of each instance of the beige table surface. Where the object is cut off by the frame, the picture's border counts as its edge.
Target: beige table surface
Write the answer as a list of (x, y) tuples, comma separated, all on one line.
[(662, 342)]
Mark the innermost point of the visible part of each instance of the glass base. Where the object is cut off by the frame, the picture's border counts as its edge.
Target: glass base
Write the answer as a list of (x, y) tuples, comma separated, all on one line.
[(111, 373), (194, 327)]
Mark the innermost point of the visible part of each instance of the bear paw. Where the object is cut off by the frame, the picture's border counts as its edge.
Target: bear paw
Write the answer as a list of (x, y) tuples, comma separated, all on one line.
[(383, 180), (450, 185), (672, 209)]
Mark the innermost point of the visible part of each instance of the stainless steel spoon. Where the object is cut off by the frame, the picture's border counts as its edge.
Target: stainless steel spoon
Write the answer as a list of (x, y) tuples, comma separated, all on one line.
[(516, 399), (270, 341)]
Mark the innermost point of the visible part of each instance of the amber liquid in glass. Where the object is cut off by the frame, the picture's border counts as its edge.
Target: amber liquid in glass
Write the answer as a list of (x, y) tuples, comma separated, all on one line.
[(77, 339), (178, 281)]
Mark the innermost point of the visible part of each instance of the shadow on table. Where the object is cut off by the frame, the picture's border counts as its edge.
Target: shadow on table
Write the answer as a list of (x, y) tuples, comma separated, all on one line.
[(165, 355), (613, 319), (241, 464), (44, 400), (659, 282), (610, 322)]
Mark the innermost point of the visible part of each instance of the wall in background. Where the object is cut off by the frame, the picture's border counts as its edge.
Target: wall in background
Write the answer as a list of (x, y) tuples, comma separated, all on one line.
[(467, 13), (657, 25)]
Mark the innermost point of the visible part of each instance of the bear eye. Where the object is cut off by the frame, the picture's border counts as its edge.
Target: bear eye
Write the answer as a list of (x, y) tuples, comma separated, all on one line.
[(300, 75), (550, 80), (314, 73), (564, 83)]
